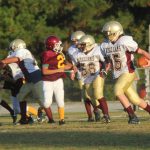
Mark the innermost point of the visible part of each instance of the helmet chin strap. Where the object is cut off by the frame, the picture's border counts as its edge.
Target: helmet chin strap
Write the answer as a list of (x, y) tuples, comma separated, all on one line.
[(90, 48), (115, 37), (87, 51)]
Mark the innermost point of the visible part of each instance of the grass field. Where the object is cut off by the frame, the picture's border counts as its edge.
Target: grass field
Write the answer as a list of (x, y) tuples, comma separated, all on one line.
[(77, 134)]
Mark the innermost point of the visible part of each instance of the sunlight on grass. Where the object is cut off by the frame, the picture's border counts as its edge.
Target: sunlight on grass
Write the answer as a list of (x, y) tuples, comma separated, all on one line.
[(77, 134)]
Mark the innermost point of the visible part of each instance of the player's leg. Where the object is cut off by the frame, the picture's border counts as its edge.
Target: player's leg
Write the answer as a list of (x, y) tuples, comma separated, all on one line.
[(14, 91), (40, 115), (98, 87), (80, 83), (23, 93), (16, 105), (87, 101), (136, 100), (121, 86), (31, 111), (10, 85), (16, 108), (59, 96), (45, 96), (6, 106), (96, 112)]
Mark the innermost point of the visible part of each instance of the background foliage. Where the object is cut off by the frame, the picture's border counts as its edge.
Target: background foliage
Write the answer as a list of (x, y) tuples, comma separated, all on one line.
[(34, 20)]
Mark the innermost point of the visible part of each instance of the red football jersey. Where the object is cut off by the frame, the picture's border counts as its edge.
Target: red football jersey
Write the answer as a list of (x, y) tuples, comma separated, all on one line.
[(54, 61)]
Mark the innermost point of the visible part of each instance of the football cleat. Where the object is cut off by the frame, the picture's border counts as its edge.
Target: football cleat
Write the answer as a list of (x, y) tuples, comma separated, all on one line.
[(40, 116), (51, 121), (90, 119), (62, 122), (133, 120), (14, 117), (97, 116), (106, 118), (30, 120), (22, 122)]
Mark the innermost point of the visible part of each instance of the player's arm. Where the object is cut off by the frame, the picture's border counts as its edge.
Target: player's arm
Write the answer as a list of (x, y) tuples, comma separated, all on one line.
[(69, 69), (146, 54), (68, 65), (108, 64), (47, 71), (6, 61), (103, 72), (105, 67)]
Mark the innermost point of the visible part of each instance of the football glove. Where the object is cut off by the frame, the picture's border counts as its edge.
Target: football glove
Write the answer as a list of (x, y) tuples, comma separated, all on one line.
[(103, 73)]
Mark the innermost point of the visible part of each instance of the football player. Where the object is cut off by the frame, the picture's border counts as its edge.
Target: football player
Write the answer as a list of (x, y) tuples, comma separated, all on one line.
[(13, 80), (75, 37), (32, 74), (88, 61), (120, 49), (53, 69)]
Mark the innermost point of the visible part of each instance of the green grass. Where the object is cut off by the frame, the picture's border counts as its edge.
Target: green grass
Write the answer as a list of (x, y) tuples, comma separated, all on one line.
[(77, 134)]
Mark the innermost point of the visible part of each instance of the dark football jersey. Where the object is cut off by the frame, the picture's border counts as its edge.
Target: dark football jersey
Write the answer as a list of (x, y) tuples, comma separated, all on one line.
[(54, 61)]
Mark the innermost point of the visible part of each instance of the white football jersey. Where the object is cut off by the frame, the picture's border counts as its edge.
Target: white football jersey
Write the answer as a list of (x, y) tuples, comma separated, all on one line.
[(71, 50), (88, 64), (121, 54), (16, 71), (29, 62)]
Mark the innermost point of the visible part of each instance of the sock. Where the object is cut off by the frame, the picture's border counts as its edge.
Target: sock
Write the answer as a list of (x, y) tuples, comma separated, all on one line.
[(61, 113), (88, 107), (6, 106), (23, 106), (49, 113), (147, 108), (103, 106), (16, 105), (31, 110), (130, 111)]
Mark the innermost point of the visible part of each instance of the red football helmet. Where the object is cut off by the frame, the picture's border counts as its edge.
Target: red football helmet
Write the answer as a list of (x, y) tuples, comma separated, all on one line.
[(53, 43)]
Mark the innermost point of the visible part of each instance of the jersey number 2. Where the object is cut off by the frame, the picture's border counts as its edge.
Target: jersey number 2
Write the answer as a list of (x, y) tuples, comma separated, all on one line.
[(60, 59)]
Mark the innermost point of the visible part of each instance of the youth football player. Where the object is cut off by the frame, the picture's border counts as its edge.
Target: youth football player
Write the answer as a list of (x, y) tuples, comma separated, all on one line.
[(120, 49), (88, 61), (53, 69)]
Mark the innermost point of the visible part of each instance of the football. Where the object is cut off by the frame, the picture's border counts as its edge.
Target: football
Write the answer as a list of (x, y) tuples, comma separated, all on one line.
[(141, 61)]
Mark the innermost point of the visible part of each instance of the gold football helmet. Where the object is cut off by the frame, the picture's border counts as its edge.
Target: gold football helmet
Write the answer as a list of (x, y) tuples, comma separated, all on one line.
[(17, 44), (87, 43), (75, 36), (112, 30)]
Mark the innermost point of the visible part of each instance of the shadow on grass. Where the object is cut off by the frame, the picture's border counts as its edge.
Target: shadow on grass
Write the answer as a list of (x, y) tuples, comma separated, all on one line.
[(78, 139)]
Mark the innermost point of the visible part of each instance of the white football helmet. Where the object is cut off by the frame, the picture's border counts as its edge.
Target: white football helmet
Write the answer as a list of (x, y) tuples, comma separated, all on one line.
[(112, 30), (17, 44), (75, 36), (87, 43)]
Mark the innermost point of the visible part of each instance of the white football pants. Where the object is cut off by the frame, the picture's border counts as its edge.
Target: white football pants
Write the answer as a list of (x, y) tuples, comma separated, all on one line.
[(55, 88)]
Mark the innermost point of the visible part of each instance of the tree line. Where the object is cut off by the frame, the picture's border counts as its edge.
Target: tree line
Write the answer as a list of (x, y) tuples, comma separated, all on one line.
[(34, 20)]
